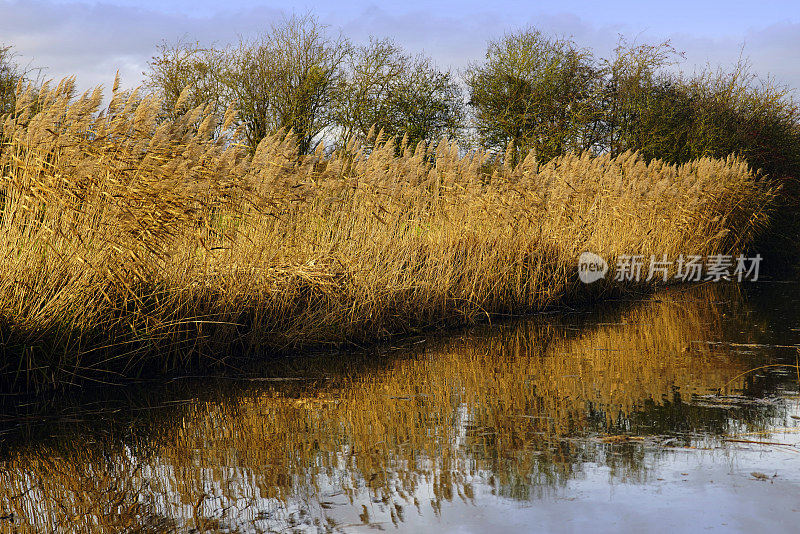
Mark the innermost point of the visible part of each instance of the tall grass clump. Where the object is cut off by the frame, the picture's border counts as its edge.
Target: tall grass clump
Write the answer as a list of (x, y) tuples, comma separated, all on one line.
[(132, 244)]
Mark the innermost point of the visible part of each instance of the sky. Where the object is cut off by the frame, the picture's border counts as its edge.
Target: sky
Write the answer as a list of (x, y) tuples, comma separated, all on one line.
[(94, 39)]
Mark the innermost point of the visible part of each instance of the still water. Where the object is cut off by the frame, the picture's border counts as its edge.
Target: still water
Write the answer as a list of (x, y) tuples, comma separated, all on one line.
[(678, 411)]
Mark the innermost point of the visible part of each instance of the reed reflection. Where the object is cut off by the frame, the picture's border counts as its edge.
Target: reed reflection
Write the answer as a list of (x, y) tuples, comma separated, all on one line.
[(514, 410)]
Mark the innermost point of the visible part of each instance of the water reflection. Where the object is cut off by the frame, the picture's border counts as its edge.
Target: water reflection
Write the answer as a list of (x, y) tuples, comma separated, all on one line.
[(502, 414)]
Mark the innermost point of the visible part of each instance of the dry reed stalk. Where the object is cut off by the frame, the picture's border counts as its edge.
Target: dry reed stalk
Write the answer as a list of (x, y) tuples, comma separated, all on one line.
[(127, 243)]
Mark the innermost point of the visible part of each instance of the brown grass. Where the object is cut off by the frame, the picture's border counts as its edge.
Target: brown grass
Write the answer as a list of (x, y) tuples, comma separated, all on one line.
[(126, 243)]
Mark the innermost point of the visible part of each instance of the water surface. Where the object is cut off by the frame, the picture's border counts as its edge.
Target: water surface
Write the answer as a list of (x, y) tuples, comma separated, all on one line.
[(679, 411)]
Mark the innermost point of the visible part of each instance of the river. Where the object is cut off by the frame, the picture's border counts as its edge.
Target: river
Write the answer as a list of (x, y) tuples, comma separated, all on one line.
[(672, 411)]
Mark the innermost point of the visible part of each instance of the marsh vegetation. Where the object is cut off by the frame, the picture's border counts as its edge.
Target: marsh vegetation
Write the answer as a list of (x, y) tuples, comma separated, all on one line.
[(131, 243), (297, 191)]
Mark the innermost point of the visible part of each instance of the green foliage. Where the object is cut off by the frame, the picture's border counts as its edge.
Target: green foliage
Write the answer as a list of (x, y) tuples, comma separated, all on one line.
[(285, 80), (297, 78), (739, 112), (678, 118), (534, 92), (638, 107), (426, 104), (531, 93), (539, 93)]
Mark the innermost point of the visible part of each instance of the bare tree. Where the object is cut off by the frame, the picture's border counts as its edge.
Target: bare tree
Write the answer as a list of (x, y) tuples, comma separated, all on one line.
[(9, 77), (286, 79), (283, 79), (14, 77), (188, 66), (363, 98), (402, 96)]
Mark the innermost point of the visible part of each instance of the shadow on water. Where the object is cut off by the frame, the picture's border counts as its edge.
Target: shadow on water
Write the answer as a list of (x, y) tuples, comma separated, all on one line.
[(482, 424)]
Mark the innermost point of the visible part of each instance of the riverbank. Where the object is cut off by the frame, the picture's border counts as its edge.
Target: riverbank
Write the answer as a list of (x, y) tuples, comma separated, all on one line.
[(133, 246)]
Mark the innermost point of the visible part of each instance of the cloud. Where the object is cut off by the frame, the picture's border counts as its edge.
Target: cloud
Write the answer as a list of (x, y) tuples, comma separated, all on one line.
[(771, 51), (94, 39), (456, 41)]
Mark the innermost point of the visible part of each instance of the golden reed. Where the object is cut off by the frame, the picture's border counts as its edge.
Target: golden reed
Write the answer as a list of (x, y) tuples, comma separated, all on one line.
[(127, 241)]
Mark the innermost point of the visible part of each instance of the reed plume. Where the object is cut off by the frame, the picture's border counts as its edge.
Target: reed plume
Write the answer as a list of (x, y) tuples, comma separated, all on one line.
[(129, 243)]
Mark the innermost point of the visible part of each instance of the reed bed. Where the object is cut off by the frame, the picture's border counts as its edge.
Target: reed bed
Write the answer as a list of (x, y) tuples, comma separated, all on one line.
[(130, 244)]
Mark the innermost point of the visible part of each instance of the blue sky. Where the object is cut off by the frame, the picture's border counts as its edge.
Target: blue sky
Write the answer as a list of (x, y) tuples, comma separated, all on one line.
[(93, 39)]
